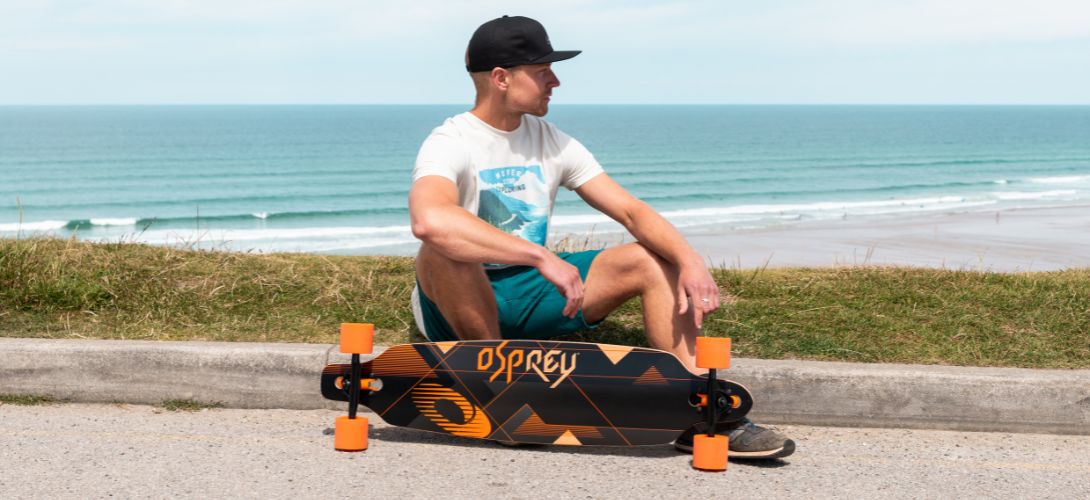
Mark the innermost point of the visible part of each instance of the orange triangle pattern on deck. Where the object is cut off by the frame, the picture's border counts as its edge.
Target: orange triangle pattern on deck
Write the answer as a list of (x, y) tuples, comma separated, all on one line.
[(401, 361), (615, 353), (446, 346), (535, 426), (567, 438), (651, 377)]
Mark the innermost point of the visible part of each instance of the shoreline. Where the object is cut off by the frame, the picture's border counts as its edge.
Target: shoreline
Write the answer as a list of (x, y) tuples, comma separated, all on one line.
[(1019, 239), (1010, 240)]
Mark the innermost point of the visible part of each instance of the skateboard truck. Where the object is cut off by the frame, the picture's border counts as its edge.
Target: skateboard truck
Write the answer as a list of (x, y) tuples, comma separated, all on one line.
[(710, 450), (350, 433)]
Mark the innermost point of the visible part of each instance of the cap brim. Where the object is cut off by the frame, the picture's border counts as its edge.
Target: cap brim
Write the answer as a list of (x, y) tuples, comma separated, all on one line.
[(557, 55)]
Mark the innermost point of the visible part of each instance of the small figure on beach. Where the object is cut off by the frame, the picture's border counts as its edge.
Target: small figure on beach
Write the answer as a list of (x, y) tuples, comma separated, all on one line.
[(484, 184)]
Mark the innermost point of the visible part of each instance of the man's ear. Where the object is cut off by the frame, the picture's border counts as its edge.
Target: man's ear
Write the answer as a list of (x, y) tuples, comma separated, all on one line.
[(500, 78)]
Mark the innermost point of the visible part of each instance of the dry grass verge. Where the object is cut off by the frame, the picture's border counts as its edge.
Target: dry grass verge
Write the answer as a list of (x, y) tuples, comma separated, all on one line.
[(66, 289)]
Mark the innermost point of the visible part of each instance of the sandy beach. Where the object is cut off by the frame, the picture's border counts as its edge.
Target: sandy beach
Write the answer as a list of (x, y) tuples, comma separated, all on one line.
[(1014, 240)]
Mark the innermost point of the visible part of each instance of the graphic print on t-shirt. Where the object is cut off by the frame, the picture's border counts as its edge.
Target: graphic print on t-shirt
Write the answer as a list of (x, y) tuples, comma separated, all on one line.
[(516, 200)]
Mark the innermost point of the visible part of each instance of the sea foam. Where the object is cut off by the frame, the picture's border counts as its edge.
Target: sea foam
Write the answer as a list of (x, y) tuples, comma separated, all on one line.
[(114, 222), (1063, 179), (1034, 195), (45, 225)]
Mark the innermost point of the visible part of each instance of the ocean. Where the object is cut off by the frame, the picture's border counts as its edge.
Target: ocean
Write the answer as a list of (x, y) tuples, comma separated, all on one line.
[(335, 179)]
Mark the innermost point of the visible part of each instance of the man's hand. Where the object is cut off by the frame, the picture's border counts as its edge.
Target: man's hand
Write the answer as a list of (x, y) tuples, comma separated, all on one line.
[(696, 284), (567, 281)]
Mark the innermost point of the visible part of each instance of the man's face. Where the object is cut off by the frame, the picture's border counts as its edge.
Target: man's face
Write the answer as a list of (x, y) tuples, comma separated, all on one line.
[(529, 88)]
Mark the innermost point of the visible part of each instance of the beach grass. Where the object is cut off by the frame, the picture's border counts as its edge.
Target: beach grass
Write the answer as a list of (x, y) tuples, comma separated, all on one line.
[(188, 405), (56, 288), (24, 399)]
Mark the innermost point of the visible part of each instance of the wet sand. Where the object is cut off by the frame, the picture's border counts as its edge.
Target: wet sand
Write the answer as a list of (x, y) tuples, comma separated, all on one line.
[(1015, 240)]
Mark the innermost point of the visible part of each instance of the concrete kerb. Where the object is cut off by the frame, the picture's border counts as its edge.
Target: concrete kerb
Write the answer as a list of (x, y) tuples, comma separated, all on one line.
[(241, 375), (265, 375)]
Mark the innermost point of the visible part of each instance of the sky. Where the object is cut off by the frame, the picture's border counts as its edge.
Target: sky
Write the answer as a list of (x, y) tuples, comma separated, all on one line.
[(634, 52)]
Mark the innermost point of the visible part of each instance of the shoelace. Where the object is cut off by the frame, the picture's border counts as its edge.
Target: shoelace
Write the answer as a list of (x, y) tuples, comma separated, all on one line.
[(746, 426)]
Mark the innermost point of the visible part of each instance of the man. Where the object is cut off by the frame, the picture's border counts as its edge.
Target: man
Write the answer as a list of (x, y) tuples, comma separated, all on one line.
[(483, 190)]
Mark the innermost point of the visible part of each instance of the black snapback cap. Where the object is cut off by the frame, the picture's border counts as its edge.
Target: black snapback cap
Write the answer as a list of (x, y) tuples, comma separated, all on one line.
[(510, 41)]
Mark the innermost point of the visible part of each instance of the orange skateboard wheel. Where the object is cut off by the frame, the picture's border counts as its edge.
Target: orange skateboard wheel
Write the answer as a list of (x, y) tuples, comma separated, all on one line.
[(710, 452), (350, 434), (357, 338), (713, 352)]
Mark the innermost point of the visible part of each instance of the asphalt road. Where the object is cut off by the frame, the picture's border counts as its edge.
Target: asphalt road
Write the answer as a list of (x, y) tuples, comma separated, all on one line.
[(140, 451)]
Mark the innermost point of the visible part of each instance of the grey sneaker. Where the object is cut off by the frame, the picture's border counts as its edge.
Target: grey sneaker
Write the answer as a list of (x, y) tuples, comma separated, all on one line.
[(747, 440)]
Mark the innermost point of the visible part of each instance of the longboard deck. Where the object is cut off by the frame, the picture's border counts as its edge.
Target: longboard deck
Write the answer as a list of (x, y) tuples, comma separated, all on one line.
[(528, 391)]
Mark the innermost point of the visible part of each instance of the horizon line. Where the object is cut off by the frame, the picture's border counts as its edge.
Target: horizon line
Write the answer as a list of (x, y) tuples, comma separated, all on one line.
[(119, 104)]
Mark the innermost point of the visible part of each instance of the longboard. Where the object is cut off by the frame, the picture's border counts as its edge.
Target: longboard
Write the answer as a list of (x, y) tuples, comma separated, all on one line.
[(543, 392)]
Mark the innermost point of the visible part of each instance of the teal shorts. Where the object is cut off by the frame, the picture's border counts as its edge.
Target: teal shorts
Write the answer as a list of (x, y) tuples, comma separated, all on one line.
[(530, 307)]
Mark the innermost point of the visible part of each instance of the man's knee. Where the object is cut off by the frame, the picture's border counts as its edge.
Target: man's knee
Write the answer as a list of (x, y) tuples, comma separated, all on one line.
[(627, 270), (638, 262), (433, 269), (429, 258)]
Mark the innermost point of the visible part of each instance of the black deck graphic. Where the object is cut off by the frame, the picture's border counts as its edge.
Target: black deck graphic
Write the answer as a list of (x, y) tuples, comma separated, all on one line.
[(547, 392)]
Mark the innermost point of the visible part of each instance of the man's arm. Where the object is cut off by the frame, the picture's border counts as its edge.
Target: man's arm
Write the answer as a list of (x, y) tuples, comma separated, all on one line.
[(661, 237), (438, 220)]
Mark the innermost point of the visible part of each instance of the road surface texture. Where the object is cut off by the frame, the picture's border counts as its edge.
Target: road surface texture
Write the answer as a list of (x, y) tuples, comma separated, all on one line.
[(96, 450)]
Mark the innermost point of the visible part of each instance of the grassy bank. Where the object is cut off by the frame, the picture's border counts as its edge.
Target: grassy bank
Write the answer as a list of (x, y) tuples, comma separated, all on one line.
[(64, 289)]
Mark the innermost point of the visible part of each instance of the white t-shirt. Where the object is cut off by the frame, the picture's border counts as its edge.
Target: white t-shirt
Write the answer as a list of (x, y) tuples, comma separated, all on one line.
[(509, 179)]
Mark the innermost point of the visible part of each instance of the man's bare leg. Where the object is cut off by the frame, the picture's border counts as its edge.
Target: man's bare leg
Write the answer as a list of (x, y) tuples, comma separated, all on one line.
[(465, 298), (631, 270), (462, 292), (627, 271)]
